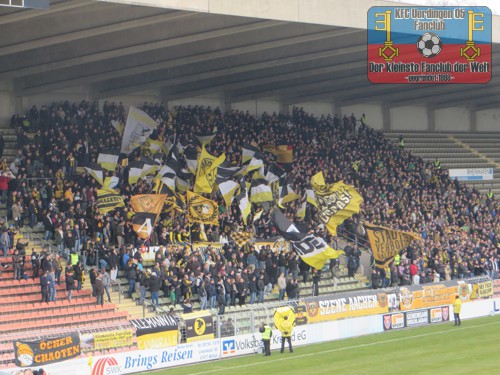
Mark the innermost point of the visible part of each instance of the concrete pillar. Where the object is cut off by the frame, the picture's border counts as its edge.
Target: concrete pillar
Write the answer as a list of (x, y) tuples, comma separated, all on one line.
[(284, 107), (19, 104), (226, 102), (337, 108), (431, 119), (386, 117), (473, 118)]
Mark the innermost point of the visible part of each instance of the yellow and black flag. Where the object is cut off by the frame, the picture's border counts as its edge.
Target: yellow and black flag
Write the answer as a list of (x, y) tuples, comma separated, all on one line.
[(108, 200), (386, 243), (95, 170), (313, 250), (150, 203), (336, 202), (241, 238), (202, 210), (207, 171), (143, 224)]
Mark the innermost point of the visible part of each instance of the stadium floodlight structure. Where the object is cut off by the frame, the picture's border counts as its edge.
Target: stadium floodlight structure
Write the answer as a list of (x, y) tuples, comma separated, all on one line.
[(27, 4)]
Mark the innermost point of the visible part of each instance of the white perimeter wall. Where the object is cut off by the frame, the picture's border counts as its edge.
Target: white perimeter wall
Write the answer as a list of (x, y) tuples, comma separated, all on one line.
[(452, 119), (488, 120), (408, 118)]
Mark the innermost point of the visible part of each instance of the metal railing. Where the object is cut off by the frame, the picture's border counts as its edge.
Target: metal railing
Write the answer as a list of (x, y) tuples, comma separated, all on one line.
[(35, 237)]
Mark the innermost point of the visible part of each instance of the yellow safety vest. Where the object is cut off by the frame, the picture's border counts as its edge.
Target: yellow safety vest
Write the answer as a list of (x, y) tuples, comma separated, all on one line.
[(74, 259), (266, 335), (397, 259)]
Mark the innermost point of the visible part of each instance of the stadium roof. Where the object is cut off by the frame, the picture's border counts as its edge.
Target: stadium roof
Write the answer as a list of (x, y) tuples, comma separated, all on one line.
[(106, 50)]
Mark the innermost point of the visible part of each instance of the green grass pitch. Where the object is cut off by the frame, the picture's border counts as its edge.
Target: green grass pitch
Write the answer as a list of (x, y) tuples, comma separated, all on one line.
[(472, 348)]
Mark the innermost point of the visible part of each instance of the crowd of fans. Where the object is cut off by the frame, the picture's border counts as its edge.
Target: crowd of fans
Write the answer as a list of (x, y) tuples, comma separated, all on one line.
[(43, 185)]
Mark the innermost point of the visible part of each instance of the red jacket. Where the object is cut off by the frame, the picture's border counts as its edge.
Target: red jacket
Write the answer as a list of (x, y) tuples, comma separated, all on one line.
[(4, 183), (413, 269)]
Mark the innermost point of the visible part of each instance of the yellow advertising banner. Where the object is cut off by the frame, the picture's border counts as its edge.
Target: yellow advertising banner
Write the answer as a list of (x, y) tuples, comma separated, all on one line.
[(386, 243), (157, 340), (326, 309), (431, 295), (113, 339), (485, 289), (156, 332)]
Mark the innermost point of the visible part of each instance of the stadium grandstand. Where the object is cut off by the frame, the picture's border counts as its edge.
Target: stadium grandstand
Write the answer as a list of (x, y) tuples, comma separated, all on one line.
[(174, 173)]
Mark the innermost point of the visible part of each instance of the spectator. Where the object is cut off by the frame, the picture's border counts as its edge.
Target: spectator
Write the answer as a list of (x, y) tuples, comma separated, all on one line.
[(99, 290), (70, 282)]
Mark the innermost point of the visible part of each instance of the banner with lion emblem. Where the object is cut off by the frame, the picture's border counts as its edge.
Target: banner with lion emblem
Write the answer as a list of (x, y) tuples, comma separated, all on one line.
[(202, 210)]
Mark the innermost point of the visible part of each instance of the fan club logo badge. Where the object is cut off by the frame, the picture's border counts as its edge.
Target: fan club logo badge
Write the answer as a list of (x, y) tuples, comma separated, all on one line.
[(429, 45)]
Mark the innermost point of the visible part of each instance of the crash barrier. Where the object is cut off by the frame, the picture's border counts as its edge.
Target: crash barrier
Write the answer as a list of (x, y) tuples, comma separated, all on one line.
[(207, 337)]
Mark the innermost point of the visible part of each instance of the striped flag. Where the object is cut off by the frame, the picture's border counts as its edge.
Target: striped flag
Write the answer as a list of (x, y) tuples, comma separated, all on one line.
[(228, 189), (274, 173), (243, 202), (138, 128), (311, 197), (204, 139), (247, 152), (256, 163), (191, 156), (260, 191), (227, 170), (95, 170), (111, 182), (134, 171), (108, 200), (312, 249), (109, 159), (183, 181), (149, 166), (286, 193), (301, 213)]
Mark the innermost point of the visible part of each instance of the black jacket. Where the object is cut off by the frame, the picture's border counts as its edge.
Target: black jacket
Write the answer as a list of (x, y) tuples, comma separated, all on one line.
[(154, 284)]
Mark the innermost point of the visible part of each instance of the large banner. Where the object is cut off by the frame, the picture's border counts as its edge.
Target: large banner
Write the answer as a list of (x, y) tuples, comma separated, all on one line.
[(108, 200), (485, 289), (42, 352), (415, 318), (386, 243), (202, 246), (430, 295), (106, 340), (156, 332), (154, 359), (276, 246), (320, 309), (199, 326)]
